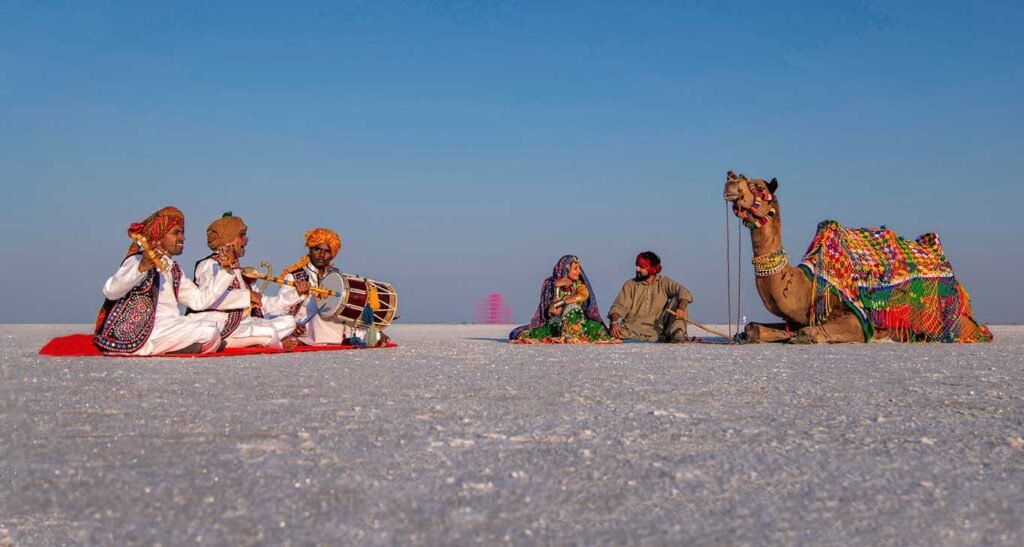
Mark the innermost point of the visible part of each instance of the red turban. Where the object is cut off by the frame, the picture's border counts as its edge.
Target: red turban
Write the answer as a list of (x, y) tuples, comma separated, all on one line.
[(645, 263)]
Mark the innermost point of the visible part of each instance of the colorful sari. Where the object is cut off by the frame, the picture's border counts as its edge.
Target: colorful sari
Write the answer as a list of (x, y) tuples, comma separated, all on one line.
[(579, 322)]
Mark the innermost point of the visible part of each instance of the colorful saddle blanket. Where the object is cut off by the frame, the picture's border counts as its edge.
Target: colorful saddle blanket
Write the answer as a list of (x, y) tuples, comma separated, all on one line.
[(890, 283)]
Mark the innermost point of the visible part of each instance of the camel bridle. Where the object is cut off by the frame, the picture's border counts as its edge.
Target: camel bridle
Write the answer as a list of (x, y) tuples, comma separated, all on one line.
[(762, 198)]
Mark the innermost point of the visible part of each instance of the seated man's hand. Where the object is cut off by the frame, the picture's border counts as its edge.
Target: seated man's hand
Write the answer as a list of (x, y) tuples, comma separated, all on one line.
[(681, 313), (299, 330), (226, 257), (616, 330), (302, 287), (146, 264), (255, 299)]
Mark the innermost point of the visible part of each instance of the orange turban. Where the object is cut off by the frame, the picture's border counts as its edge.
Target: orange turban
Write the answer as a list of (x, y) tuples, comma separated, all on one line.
[(155, 227), (319, 236), (224, 230), (315, 237)]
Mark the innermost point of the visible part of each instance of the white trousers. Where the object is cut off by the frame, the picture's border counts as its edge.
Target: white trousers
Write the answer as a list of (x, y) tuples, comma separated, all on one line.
[(175, 333)]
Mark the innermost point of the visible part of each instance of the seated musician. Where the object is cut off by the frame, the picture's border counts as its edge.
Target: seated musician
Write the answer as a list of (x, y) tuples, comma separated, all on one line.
[(140, 315), (242, 326), (323, 245)]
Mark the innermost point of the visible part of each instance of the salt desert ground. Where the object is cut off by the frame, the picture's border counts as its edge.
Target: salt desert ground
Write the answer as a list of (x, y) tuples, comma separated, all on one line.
[(457, 437)]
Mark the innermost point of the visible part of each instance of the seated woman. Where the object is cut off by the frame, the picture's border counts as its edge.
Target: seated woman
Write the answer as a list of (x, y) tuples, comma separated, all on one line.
[(567, 312)]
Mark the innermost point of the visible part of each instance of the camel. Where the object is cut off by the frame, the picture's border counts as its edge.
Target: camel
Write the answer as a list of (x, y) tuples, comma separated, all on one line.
[(789, 292)]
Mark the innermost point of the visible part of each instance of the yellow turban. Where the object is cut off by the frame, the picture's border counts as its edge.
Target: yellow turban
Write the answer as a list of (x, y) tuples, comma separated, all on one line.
[(319, 236), (316, 237)]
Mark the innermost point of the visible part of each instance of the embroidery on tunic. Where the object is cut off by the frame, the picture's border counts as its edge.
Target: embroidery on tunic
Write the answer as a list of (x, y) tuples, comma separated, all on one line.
[(125, 324), (234, 316)]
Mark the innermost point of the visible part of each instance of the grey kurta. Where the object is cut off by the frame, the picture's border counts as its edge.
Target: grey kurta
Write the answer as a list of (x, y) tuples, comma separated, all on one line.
[(640, 307)]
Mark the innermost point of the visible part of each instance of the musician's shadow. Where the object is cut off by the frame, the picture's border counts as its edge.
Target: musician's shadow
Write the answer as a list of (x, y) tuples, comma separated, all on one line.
[(501, 340)]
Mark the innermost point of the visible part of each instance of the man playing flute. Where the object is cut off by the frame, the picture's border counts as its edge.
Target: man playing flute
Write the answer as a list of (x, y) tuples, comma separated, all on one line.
[(241, 326)]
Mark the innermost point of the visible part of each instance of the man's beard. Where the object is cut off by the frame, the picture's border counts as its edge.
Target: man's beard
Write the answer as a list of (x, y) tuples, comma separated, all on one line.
[(642, 278)]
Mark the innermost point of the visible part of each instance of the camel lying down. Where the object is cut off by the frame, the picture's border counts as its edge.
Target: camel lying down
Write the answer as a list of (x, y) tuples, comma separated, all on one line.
[(852, 285)]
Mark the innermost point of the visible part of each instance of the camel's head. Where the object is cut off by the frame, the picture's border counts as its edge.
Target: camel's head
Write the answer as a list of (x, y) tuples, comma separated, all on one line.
[(753, 200)]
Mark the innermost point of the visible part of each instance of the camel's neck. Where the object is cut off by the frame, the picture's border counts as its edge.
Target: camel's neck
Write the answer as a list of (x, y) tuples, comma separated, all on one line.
[(785, 292), (768, 238)]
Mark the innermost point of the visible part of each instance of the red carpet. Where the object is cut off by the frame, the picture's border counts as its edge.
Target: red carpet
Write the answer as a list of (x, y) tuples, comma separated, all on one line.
[(80, 345)]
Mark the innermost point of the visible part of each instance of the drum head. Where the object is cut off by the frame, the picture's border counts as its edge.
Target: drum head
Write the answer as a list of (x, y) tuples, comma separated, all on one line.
[(330, 305)]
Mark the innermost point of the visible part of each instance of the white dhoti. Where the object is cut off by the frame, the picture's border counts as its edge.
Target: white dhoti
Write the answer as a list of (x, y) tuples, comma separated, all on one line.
[(252, 331), (177, 333)]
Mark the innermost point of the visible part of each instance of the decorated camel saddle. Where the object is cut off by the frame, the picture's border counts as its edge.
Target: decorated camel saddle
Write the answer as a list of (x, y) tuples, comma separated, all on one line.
[(891, 284)]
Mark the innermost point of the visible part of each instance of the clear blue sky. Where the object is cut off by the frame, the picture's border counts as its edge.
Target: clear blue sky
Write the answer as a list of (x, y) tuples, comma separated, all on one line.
[(460, 148)]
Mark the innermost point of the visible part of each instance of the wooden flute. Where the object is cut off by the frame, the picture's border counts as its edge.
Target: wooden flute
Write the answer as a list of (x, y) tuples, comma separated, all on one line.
[(158, 259), (253, 273)]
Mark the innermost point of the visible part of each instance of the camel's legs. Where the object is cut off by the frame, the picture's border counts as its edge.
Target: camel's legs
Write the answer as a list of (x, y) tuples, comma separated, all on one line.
[(840, 329), (768, 332)]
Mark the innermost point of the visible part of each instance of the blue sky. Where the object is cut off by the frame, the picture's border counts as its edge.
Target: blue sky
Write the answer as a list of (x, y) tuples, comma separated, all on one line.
[(460, 148)]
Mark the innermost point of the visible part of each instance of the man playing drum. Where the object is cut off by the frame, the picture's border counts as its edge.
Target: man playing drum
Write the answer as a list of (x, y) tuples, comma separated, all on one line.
[(140, 315), (323, 245), (245, 326)]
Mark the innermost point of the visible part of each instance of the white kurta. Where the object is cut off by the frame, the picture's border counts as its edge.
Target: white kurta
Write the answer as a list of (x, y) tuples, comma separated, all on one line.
[(318, 330), (172, 331), (251, 331)]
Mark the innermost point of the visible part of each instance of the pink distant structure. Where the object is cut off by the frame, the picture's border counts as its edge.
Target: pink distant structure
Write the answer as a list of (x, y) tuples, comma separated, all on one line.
[(491, 309)]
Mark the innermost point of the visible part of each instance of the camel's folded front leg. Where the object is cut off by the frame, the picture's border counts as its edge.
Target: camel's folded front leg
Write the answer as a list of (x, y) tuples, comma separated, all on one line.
[(843, 328), (763, 333)]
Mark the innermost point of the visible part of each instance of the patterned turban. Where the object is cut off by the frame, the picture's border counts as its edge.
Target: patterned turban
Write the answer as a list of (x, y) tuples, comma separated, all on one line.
[(155, 227), (315, 237), (224, 230)]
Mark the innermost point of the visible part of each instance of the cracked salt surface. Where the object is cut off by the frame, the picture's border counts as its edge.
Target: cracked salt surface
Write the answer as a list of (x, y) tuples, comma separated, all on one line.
[(457, 437)]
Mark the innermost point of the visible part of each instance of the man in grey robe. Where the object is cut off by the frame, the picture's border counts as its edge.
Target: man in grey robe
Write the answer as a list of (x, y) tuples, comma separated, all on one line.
[(650, 306)]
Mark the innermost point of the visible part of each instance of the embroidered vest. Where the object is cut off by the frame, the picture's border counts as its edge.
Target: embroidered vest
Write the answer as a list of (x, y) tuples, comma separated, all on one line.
[(124, 325), (234, 316)]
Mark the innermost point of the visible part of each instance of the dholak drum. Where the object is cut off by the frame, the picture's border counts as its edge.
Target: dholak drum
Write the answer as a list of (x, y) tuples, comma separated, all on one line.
[(348, 308)]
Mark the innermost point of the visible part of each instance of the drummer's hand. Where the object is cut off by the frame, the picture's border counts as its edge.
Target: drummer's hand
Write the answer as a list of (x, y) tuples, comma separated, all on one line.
[(680, 313), (256, 299), (563, 282), (616, 330), (555, 309), (302, 287), (299, 330)]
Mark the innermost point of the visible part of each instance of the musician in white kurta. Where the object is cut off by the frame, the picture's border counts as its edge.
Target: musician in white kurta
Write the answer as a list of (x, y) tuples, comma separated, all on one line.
[(315, 330), (249, 330), (141, 315), (323, 245), (241, 326)]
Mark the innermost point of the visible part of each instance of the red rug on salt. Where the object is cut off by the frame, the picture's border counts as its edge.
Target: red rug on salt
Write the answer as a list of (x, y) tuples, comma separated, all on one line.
[(80, 345)]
